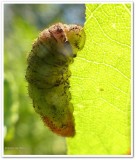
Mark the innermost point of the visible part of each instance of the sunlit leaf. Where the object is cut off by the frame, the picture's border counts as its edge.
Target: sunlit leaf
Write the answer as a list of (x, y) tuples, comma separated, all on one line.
[(100, 83)]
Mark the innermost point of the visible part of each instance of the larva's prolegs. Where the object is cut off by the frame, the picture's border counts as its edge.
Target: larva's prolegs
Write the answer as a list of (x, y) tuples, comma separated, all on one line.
[(48, 75)]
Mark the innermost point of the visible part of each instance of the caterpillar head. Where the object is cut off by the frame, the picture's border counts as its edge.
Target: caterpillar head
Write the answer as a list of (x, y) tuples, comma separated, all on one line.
[(76, 37), (64, 41)]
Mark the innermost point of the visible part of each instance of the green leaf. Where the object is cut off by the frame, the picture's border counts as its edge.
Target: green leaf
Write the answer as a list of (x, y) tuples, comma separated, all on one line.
[(100, 83)]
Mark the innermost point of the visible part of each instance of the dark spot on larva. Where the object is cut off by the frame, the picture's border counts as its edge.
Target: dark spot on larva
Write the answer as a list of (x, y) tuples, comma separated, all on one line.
[(59, 30), (53, 108), (40, 88), (38, 107), (62, 94), (74, 55), (56, 84), (62, 37), (78, 35), (76, 45), (52, 36), (74, 28), (63, 126)]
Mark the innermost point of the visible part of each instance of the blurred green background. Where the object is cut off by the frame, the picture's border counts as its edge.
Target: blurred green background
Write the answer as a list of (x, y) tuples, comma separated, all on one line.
[(24, 132)]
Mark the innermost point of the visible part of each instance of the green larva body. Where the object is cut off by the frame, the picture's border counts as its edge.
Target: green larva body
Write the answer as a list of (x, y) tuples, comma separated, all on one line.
[(48, 75)]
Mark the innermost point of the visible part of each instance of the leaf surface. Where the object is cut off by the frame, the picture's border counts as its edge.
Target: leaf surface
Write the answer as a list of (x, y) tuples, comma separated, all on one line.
[(100, 83)]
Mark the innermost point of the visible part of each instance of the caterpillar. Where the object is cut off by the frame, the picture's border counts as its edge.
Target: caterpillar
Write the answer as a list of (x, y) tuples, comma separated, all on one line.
[(48, 75)]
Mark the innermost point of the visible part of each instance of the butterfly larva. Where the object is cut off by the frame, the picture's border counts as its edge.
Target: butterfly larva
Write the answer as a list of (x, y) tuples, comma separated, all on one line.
[(48, 75)]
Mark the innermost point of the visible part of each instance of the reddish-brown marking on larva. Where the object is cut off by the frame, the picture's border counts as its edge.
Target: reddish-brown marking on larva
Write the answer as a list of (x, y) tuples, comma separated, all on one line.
[(66, 131)]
